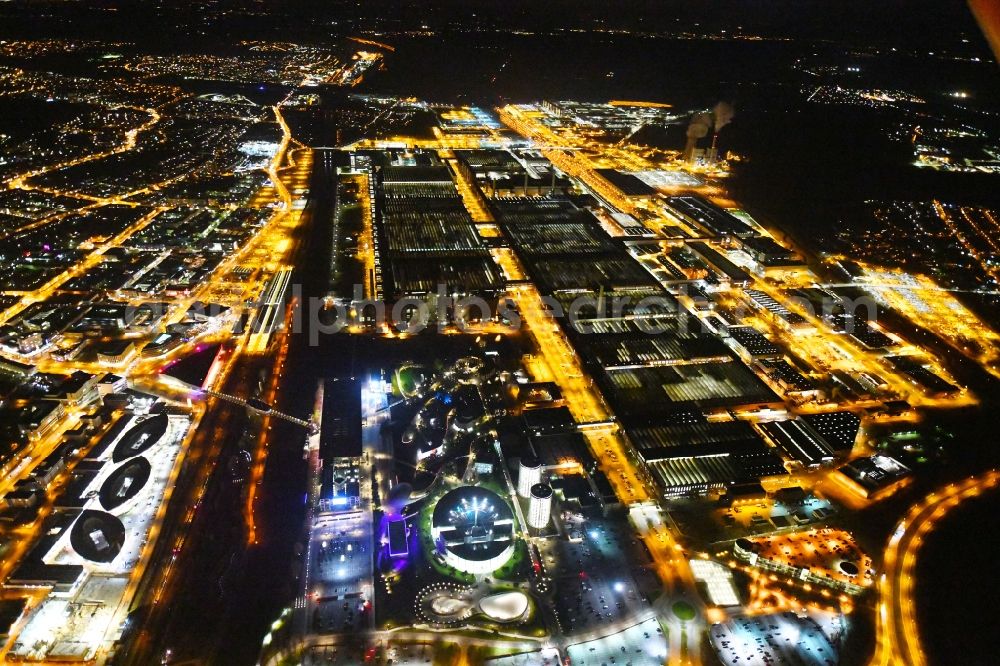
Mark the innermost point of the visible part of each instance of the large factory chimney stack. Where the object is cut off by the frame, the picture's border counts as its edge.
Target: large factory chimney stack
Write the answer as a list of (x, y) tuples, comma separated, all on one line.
[(722, 114), (698, 129)]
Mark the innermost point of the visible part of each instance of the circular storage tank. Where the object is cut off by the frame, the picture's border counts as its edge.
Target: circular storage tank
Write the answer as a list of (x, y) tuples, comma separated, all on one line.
[(97, 536), (124, 484), (140, 437)]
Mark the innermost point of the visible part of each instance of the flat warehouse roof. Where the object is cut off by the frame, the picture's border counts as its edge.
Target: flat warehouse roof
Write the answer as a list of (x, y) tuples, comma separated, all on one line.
[(838, 429), (679, 473), (670, 346), (627, 183), (417, 275), (397, 537), (421, 195), (415, 174), (720, 263), (612, 270), (340, 425), (798, 441), (650, 390), (676, 431), (431, 233), (651, 324), (710, 216), (542, 211), (753, 341), (560, 238)]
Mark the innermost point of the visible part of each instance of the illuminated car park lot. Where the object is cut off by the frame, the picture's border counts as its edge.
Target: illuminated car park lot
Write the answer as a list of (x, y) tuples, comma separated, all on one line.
[(917, 234), (339, 587), (546, 657), (760, 518), (642, 644), (785, 638), (920, 299), (828, 556), (601, 579), (718, 582)]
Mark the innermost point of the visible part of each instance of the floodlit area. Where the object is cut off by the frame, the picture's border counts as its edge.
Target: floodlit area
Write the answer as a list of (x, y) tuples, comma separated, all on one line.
[(642, 644), (769, 515), (663, 179), (786, 638), (545, 657), (718, 581), (926, 304), (907, 372), (339, 587), (72, 629), (827, 553)]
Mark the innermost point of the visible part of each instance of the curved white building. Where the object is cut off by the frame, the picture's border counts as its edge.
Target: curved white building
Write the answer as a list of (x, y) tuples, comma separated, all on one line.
[(473, 530), (505, 606)]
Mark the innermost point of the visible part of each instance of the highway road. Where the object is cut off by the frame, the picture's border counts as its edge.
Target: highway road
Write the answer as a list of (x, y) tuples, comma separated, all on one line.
[(898, 636), (558, 362)]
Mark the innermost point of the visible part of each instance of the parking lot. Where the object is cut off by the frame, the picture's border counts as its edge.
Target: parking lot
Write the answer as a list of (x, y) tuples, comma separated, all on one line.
[(339, 575), (642, 644), (784, 638), (593, 586)]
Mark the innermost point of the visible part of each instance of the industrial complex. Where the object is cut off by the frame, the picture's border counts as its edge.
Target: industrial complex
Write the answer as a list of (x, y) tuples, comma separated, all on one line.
[(295, 371)]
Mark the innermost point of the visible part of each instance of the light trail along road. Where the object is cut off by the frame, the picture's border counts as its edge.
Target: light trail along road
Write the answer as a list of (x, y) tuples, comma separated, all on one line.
[(898, 639)]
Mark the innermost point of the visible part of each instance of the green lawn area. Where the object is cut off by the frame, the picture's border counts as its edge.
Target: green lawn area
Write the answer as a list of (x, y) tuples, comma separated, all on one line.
[(515, 569), (408, 377), (427, 543), (683, 610)]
